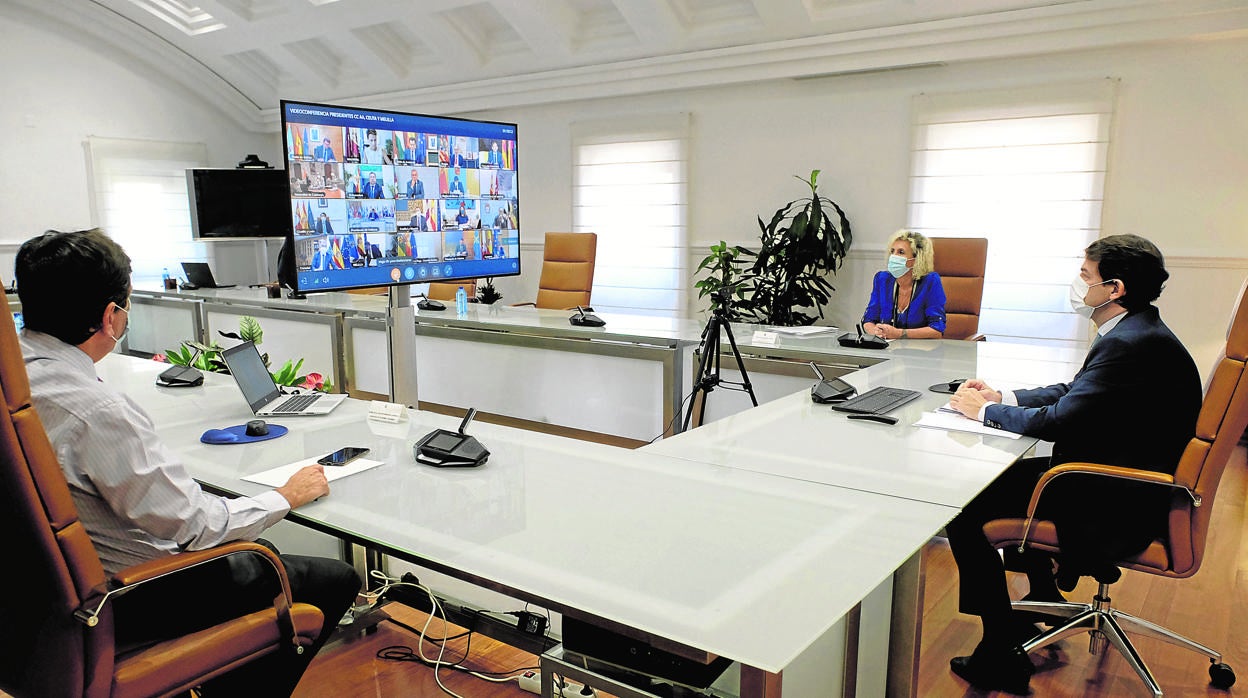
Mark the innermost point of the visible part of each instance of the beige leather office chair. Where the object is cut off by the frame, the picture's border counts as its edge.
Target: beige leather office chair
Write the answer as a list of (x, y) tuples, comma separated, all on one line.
[(960, 263), (1223, 416), (567, 271), (440, 291), (56, 623)]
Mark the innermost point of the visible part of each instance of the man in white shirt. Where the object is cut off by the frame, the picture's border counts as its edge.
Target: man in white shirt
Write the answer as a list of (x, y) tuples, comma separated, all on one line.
[(134, 497)]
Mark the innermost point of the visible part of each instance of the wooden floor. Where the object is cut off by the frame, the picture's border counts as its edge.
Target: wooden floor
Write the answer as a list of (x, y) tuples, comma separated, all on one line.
[(349, 667), (1211, 607)]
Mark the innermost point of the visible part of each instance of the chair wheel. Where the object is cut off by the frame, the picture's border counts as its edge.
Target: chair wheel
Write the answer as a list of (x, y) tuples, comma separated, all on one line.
[(1221, 676)]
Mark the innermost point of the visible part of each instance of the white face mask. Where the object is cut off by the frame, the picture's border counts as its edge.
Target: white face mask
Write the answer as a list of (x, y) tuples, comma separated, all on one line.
[(1079, 291), (125, 330)]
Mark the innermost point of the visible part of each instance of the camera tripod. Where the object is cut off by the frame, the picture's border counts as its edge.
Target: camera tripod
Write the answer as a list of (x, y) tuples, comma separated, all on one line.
[(707, 378)]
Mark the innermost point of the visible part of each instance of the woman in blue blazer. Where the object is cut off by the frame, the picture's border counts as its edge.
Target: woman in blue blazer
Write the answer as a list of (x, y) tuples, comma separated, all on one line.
[(907, 299)]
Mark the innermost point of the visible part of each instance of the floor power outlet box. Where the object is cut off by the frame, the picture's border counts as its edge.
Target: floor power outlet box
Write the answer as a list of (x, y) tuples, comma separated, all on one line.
[(531, 681)]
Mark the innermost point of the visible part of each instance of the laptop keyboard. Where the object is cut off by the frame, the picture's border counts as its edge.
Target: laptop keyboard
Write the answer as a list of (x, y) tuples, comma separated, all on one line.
[(298, 403), (877, 401)]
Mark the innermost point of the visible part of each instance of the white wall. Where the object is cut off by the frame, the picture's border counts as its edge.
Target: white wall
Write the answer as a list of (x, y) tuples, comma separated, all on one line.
[(57, 91), (1178, 165)]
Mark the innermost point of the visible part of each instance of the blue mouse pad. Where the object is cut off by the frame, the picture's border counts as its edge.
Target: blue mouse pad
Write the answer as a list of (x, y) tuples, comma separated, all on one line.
[(237, 434)]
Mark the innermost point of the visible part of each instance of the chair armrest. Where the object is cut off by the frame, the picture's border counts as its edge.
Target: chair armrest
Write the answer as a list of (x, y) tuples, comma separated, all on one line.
[(134, 576), (517, 305), (172, 564), (977, 338), (1097, 469)]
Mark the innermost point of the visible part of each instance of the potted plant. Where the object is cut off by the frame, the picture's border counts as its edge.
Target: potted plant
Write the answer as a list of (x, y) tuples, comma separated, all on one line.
[(207, 357), (487, 294), (727, 279), (798, 247)]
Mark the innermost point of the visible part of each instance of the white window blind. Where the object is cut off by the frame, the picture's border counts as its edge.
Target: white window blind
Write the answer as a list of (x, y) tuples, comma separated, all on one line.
[(139, 199), (1024, 168), (629, 187)]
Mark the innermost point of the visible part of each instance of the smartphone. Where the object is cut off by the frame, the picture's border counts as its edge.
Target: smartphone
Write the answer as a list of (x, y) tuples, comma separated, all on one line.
[(343, 456)]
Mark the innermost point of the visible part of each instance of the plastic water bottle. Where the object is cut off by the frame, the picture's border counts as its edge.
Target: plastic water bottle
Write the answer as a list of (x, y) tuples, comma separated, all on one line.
[(461, 302)]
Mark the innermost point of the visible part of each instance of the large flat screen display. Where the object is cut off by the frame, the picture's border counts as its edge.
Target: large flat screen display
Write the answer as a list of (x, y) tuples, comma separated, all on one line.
[(237, 204), (381, 198)]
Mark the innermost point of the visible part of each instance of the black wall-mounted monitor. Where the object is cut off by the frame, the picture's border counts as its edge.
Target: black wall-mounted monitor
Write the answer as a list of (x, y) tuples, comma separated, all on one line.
[(381, 198), (238, 204)]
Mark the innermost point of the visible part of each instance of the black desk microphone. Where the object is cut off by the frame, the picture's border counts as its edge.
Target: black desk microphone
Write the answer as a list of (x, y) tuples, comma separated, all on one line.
[(584, 319), (862, 341), (428, 303)]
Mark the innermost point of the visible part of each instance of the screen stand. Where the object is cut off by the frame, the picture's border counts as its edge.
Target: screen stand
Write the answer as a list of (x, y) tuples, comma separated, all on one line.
[(401, 337), (262, 261)]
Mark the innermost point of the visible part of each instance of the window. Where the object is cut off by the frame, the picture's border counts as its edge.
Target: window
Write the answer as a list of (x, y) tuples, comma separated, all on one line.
[(1026, 169), (139, 199), (629, 187)]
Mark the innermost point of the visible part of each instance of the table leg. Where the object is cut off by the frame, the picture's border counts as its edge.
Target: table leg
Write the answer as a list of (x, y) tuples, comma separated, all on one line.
[(906, 627), (363, 559), (756, 683)]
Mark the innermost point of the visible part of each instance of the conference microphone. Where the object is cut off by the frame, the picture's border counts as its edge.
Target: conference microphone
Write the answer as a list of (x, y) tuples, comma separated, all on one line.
[(584, 319), (863, 340), (428, 303), (182, 376)]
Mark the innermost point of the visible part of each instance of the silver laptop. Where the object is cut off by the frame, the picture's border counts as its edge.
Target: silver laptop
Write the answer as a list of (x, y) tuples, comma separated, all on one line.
[(262, 393)]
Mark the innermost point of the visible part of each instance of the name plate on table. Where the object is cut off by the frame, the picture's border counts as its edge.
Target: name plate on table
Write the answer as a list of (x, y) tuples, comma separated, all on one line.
[(387, 412), (768, 338)]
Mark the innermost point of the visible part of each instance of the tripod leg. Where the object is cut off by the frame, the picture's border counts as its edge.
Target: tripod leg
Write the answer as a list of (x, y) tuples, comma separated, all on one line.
[(702, 380), (745, 377)]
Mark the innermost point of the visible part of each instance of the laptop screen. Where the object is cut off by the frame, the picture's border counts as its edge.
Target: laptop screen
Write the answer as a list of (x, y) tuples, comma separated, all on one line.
[(251, 375), (199, 273)]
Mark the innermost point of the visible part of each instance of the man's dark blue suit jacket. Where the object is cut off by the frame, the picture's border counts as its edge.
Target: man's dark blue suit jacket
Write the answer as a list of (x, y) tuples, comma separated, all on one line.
[(1133, 404)]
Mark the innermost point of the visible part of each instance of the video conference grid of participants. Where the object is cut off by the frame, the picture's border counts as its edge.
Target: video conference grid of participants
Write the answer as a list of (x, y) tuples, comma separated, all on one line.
[(410, 202)]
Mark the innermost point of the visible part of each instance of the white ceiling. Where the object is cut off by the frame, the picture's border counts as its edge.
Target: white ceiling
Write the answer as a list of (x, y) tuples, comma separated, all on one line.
[(467, 55)]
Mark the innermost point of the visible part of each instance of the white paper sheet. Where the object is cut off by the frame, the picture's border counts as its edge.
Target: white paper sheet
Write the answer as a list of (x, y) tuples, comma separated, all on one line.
[(956, 422), (276, 477)]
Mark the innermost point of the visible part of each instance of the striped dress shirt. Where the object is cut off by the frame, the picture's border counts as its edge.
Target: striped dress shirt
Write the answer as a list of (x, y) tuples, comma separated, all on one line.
[(134, 497)]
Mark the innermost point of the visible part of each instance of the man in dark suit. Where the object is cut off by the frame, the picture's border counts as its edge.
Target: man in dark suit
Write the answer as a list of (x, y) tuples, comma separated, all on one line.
[(415, 187), (417, 221), (1115, 412), (459, 159), (372, 189), (324, 152), (323, 226)]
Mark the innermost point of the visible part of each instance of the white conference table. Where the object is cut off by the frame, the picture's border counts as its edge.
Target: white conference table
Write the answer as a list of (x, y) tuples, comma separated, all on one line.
[(750, 566), (794, 437)]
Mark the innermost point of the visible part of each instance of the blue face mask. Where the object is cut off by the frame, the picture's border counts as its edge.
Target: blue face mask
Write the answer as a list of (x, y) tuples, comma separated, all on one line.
[(897, 266)]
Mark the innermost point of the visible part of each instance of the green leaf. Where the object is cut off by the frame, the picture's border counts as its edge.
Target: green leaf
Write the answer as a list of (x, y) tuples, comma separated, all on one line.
[(249, 329), (285, 375), (178, 356), (800, 227)]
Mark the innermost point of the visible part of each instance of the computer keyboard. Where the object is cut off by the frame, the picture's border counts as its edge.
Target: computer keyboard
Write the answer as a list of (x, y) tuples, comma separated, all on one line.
[(298, 403), (877, 401)]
